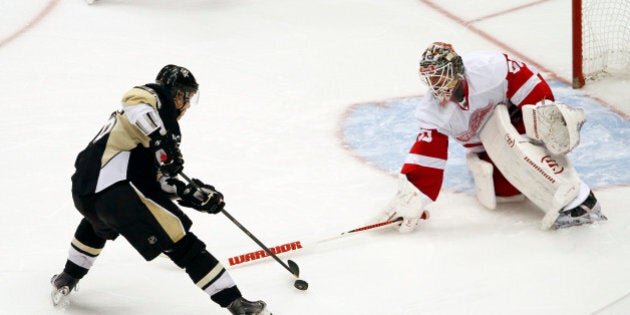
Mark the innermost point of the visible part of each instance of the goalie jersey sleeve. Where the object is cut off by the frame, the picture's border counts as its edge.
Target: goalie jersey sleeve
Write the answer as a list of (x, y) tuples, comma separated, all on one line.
[(524, 84), (424, 165)]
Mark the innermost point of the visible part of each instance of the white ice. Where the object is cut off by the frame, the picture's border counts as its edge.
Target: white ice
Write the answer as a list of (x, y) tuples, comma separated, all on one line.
[(277, 78)]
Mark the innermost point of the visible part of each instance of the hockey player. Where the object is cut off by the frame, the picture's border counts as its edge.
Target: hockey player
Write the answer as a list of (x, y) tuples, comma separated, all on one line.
[(504, 113), (125, 181)]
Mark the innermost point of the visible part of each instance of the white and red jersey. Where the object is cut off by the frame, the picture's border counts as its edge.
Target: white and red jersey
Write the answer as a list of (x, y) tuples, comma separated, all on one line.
[(491, 78)]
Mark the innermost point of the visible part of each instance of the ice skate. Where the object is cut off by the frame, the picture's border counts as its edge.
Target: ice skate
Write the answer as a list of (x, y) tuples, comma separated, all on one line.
[(242, 306), (62, 285), (588, 212)]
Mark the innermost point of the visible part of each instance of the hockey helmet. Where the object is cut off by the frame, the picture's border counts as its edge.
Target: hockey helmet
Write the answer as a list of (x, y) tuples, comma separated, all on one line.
[(176, 78), (441, 68)]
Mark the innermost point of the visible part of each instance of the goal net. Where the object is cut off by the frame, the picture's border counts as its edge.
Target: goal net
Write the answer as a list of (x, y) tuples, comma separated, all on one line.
[(601, 39)]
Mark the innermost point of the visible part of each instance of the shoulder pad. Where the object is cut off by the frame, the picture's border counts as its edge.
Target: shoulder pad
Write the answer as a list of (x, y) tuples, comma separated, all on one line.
[(142, 95)]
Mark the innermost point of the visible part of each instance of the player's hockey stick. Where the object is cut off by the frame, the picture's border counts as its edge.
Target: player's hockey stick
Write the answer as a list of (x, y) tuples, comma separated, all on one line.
[(292, 267), (294, 246)]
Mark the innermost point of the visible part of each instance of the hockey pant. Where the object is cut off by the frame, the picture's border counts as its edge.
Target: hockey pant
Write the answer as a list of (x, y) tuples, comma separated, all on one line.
[(152, 224)]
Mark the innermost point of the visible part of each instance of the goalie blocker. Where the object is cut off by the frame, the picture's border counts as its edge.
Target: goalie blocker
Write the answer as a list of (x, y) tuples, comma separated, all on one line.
[(548, 180)]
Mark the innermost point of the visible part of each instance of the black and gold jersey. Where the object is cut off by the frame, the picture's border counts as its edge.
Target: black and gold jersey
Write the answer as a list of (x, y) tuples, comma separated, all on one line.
[(120, 150)]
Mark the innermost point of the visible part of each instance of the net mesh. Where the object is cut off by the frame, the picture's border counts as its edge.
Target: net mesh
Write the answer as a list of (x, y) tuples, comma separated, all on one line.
[(605, 37)]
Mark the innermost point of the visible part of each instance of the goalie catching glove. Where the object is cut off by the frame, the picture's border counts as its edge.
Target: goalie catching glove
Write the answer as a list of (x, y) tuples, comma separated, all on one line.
[(199, 196), (556, 125), (408, 204)]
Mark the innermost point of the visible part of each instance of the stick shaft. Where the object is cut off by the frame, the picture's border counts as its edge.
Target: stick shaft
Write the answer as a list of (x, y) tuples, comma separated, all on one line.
[(248, 233), (294, 246), (267, 250)]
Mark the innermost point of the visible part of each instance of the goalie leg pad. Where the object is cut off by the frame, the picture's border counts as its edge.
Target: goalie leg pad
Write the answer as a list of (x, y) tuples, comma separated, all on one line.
[(556, 125), (488, 186), (549, 181), (482, 175)]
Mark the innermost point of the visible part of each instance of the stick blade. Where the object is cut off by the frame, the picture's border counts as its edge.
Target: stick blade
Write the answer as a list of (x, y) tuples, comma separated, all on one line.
[(293, 267)]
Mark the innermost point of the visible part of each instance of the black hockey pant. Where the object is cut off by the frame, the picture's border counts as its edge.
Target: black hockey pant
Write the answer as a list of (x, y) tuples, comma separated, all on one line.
[(152, 224)]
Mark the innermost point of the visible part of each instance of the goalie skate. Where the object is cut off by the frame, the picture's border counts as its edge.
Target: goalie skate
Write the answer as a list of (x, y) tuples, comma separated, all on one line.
[(588, 212), (62, 285)]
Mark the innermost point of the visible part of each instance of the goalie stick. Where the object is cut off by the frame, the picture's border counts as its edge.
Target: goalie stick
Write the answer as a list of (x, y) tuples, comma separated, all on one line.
[(298, 245)]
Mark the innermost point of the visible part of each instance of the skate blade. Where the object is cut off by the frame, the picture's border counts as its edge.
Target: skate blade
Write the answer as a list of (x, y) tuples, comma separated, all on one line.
[(591, 221), (60, 296)]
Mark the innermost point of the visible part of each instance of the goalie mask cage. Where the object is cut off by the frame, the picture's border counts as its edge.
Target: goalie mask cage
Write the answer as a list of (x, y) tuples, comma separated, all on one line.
[(601, 38)]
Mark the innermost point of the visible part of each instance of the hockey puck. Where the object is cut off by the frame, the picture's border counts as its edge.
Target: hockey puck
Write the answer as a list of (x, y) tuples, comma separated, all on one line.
[(301, 284)]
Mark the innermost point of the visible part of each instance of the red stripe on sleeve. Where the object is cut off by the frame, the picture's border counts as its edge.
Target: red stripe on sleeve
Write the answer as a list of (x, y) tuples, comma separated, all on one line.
[(434, 146)]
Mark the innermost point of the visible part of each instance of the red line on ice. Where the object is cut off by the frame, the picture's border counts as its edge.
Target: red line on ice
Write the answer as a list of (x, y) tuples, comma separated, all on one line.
[(36, 19)]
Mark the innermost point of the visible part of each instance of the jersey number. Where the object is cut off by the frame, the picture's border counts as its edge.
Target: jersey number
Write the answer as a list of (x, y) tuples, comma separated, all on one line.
[(425, 135), (106, 128), (514, 66)]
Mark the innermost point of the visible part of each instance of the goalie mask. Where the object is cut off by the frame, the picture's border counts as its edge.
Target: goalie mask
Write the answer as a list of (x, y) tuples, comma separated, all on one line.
[(441, 68)]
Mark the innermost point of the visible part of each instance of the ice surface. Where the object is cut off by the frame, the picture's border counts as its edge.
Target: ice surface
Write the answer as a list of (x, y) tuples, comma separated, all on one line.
[(279, 80)]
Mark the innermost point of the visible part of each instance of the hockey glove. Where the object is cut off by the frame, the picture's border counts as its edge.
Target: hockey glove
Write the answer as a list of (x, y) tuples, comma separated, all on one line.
[(408, 204), (556, 125), (167, 155), (172, 186), (201, 197)]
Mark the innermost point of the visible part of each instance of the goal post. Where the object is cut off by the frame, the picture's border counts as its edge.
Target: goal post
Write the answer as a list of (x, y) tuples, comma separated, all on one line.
[(576, 17), (601, 38)]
